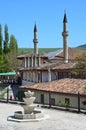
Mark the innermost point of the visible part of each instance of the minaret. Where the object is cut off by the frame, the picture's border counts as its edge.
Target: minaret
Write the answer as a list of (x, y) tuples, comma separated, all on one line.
[(35, 40), (65, 35)]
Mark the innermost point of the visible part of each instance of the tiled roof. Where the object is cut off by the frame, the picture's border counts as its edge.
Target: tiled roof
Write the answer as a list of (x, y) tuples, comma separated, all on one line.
[(30, 55), (72, 53), (68, 65), (58, 60), (66, 86), (53, 66)]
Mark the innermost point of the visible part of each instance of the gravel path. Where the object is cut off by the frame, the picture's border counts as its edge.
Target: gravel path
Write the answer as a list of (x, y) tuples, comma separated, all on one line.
[(58, 120)]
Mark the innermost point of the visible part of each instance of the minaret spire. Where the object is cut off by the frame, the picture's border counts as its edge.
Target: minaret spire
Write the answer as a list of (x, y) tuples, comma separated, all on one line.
[(35, 40), (35, 28), (65, 42), (65, 18)]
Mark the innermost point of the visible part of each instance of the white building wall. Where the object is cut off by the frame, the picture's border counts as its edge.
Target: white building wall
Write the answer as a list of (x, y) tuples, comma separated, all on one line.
[(81, 102), (60, 98), (37, 95), (44, 76), (46, 98), (33, 76), (74, 101)]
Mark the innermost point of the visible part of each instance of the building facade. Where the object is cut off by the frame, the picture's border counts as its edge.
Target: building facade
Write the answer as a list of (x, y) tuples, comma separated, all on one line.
[(67, 92), (48, 67)]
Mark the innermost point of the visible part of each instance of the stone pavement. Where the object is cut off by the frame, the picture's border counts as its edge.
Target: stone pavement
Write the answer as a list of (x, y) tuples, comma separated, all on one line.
[(58, 120)]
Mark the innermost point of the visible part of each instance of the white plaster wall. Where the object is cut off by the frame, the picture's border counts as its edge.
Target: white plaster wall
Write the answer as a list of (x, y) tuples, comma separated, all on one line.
[(60, 97), (46, 98), (83, 99), (44, 76), (37, 95)]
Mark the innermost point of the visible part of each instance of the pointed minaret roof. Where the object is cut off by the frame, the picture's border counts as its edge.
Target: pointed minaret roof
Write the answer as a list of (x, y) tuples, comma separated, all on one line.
[(65, 18), (35, 28)]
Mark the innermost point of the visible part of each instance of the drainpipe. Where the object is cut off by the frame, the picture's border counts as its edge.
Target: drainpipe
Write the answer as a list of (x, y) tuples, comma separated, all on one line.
[(78, 102)]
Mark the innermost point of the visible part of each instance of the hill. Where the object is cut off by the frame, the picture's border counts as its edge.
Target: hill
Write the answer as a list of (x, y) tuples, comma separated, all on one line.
[(82, 47), (46, 50), (31, 50)]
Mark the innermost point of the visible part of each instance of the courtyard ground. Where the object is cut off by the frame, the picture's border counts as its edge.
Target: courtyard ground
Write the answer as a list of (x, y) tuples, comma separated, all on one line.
[(58, 120)]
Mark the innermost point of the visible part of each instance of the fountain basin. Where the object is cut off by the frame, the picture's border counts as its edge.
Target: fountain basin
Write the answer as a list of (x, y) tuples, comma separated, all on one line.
[(35, 115), (28, 109)]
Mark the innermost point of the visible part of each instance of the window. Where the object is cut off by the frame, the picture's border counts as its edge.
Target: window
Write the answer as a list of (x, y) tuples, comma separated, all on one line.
[(42, 98)]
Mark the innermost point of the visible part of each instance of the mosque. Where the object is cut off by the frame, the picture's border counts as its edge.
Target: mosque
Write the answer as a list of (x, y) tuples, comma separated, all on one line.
[(51, 66), (41, 74)]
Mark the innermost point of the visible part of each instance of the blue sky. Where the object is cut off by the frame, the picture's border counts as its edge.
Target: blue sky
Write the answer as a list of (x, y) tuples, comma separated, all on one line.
[(21, 15)]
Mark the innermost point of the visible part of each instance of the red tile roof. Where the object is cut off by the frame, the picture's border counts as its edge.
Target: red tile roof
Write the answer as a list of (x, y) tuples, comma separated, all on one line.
[(72, 53), (67, 85)]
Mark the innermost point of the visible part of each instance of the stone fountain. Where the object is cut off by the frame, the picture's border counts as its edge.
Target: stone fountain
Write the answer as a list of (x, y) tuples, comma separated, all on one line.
[(30, 111)]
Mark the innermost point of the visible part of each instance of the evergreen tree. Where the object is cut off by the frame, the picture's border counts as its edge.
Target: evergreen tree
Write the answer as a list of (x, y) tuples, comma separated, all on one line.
[(1, 63), (1, 50), (8, 52), (6, 63), (13, 46), (1, 40), (6, 44)]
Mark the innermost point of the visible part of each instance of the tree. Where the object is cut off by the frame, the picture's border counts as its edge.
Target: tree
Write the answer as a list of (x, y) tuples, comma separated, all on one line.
[(1, 50), (1, 40), (13, 46), (6, 44), (6, 64), (1, 63), (79, 69), (8, 52)]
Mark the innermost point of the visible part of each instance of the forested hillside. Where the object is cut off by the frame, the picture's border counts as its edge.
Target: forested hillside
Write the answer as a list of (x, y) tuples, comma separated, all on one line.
[(82, 47), (31, 50)]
